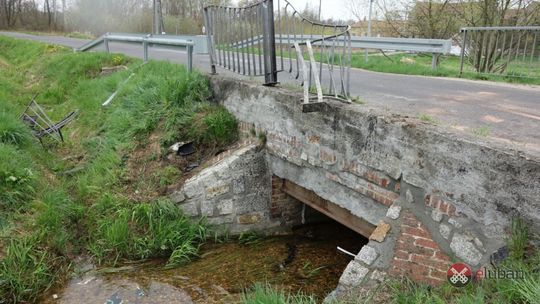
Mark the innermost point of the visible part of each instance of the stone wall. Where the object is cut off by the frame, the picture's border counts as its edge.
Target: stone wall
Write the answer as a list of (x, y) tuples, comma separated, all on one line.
[(236, 193), (456, 194)]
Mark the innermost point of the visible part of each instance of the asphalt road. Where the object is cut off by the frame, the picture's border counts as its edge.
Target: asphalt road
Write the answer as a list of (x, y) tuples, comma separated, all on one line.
[(510, 114)]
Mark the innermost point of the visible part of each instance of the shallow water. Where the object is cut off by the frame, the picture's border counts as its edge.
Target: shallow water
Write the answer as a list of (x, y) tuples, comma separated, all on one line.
[(223, 271)]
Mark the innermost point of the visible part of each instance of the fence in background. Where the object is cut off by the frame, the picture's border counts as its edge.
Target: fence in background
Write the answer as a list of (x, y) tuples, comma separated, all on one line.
[(267, 37), (507, 51), (146, 40)]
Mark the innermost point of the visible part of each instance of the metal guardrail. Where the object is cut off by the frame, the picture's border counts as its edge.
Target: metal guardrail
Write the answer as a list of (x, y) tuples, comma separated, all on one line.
[(147, 40), (503, 50), (271, 36), (434, 46)]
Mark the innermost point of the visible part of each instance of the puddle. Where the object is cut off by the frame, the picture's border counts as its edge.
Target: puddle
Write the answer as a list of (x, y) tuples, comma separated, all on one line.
[(306, 261)]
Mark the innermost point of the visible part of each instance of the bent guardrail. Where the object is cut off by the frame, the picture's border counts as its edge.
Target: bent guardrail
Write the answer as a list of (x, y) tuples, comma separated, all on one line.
[(248, 40), (147, 40)]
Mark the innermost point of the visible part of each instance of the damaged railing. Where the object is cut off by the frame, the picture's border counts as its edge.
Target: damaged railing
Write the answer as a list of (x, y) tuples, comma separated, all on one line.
[(268, 37)]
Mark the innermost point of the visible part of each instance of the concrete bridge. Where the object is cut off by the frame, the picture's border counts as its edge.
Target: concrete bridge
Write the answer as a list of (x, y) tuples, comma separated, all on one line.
[(425, 197)]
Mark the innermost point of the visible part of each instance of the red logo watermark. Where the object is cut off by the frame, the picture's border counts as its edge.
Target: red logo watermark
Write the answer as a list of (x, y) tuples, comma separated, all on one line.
[(459, 274)]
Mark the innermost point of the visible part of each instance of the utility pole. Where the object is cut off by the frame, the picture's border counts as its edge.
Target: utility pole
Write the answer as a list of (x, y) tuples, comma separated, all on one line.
[(320, 7), (369, 24)]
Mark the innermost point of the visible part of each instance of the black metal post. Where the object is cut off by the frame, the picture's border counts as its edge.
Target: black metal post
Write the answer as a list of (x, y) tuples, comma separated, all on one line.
[(269, 44)]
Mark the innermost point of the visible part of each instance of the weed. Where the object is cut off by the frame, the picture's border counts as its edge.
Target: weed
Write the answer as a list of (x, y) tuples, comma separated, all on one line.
[(249, 238), (358, 100), (264, 293), (167, 175), (310, 270), (481, 131), (519, 239), (427, 118), (262, 138)]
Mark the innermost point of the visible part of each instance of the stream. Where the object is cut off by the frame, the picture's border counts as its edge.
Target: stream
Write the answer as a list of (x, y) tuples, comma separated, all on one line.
[(306, 261)]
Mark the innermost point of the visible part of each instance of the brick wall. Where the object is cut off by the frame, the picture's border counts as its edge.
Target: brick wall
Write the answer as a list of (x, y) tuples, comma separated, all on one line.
[(417, 255), (282, 205)]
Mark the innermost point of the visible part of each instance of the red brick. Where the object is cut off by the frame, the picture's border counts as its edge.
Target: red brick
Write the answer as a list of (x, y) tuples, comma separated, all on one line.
[(439, 274), (403, 255), (397, 188), (426, 244), (439, 255), (401, 264), (426, 261), (416, 232)]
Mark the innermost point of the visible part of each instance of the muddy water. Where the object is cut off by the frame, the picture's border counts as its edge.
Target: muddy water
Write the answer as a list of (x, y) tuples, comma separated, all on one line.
[(223, 271)]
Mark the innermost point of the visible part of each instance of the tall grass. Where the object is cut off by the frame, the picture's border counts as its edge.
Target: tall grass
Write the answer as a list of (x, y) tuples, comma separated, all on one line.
[(17, 178), (12, 130), (25, 270), (266, 294), (145, 231)]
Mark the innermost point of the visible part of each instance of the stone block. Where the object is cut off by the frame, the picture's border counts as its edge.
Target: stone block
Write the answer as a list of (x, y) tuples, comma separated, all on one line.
[(217, 190), (445, 231), (367, 255), (248, 219), (238, 186), (207, 208), (221, 220), (379, 234), (393, 212), (354, 274), (177, 197), (189, 209), (436, 215), (464, 249), (225, 207)]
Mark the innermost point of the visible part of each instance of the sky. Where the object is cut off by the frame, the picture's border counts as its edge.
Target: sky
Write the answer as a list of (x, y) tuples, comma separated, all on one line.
[(335, 9)]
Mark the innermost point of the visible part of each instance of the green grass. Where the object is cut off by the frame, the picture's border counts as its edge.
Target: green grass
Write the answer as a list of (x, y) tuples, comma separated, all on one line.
[(427, 118), (420, 64), (71, 198), (266, 294)]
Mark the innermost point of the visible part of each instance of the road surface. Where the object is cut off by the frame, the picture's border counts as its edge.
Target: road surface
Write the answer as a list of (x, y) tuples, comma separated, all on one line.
[(509, 114)]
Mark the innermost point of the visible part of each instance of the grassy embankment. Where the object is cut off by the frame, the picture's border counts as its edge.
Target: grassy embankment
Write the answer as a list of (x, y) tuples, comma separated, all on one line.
[(411, 64), (77, 198), (522, 257)]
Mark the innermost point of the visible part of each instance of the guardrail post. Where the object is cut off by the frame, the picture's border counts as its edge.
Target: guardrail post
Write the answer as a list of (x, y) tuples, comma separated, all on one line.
[(463, 46), (106, 42), (269, 43), (190, 58), (145, 50), (434, 61)]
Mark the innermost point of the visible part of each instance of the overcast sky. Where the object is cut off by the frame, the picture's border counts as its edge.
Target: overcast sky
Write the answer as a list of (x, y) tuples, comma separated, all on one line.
[(335, 9)]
